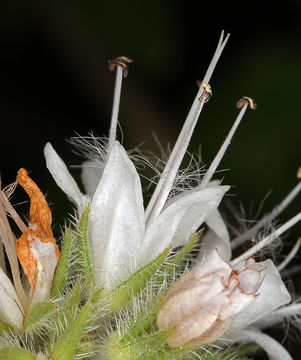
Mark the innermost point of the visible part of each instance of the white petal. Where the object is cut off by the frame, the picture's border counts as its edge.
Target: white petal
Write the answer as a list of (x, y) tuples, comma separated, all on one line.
[(62, 176), (117, 219), (213, 263), (46, 261), (10, 307), (91, 174), (174, 226), (272, 294), (216, 237), (272, 347), (250, 280)]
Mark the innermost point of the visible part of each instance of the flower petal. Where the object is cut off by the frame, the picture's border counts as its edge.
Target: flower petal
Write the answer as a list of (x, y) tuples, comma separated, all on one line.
[(272, 347), (91, 174), (174, 226), (117, 219), (216, 237), (10, 307), (38, 256), (62, 176), (271, 294), (46, 258)]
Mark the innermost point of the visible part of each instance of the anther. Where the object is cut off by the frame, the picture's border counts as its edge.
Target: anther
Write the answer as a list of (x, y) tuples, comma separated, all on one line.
[(299, 173), (246, 100), (207, 93), (121, 61)]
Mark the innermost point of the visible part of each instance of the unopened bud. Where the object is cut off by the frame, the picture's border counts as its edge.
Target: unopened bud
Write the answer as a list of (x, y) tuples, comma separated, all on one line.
[(201, 305)]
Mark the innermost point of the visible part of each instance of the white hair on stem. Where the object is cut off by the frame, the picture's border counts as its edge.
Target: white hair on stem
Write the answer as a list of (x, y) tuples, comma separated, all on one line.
[(290, 256), (268, 240), (266, 219)]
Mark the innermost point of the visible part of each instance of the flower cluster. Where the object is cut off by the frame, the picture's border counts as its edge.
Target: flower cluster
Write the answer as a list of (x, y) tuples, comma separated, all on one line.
[(124, 285)]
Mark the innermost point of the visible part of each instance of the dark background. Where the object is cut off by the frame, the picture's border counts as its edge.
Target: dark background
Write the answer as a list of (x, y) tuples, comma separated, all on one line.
[(54, 81)]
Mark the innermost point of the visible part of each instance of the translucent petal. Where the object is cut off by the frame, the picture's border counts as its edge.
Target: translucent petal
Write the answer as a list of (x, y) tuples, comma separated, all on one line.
[(117, 219), (237, 301), (62, 176), (250, 280), (272, 294), (216, 237), (174, 226), (91, 174), (272, 347), (10, 307), (46, 261)]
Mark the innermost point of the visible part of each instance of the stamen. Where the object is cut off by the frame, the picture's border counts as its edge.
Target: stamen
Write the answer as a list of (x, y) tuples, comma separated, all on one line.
[(210, 172), (168, 176), (207, 93), (266, 219), (122, 71), (268, 240), (246, 100), (290, 256), (278, 315)]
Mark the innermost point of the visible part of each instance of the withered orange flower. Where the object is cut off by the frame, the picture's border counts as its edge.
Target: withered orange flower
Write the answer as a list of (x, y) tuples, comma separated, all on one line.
[(28, 250)]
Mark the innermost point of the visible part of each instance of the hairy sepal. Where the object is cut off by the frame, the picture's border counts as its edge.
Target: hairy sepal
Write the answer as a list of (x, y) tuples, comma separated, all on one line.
[(125, 291), (11, 353), (62, 270), (83, 255), (69, 343), (37, 312)]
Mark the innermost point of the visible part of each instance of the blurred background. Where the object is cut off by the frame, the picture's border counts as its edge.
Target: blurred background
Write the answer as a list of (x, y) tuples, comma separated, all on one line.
[(55, 82)]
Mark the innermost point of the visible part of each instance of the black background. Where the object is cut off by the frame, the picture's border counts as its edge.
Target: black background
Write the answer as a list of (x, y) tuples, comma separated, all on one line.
[(54, 81)]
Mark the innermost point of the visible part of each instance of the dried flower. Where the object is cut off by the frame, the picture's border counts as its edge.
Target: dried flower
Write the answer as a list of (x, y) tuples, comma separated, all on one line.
[(37, 252)]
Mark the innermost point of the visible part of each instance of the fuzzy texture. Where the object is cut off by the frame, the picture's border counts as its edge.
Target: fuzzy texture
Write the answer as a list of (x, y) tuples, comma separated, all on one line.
[(135, 282)]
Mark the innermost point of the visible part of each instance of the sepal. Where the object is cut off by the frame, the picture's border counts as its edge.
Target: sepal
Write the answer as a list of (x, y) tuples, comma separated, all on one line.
[(37, 312), (68, 344), (11, 353), (83, 253), (62, 269), (125, 291)]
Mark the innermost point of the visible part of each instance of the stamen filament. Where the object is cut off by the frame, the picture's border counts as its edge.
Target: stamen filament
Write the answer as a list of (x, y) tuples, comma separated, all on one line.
[(166, 181), (266, 219), (268, 240), (115, 109), (290, 256), (278, 315), (210, 172)]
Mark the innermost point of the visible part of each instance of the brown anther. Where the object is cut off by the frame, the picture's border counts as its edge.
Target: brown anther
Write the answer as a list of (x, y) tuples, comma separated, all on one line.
[(121, 61), (207, 93), (299, 173), (246, 100)]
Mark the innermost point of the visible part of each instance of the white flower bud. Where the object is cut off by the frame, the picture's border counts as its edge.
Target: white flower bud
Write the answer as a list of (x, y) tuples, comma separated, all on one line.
[(201, 305)]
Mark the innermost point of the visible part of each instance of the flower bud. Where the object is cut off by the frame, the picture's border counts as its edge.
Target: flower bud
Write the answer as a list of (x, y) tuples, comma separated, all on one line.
[(201, 305)]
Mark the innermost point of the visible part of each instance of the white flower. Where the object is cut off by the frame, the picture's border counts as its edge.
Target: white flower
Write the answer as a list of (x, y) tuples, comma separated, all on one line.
[(218, 297), (122, 235), (120, 240)]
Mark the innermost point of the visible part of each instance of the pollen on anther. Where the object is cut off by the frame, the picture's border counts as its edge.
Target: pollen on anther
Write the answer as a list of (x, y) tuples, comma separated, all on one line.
[(246, 100)]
